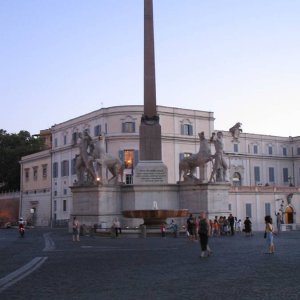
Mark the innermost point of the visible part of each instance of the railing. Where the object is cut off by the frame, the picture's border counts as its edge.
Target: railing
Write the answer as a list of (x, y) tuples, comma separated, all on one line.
[(288, 227), (263, 189), (10, 195)]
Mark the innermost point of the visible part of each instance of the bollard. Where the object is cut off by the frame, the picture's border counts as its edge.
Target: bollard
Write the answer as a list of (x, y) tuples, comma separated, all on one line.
[(143, 231), (95, 228), (112, 232)]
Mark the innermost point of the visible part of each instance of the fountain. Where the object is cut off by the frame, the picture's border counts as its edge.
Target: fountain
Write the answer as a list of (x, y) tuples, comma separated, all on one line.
[(155, 216)]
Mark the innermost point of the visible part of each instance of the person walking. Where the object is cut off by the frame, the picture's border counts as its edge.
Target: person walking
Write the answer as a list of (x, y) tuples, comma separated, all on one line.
[(269, 235), (190, 227), (204, 231), (76, 227), (174, 228), (231, 223), (248, 227), (163, 229), (117, 226), (239, 226)]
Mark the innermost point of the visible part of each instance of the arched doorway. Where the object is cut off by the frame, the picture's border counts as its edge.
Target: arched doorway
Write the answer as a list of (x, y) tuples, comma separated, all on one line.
[(289, 215)]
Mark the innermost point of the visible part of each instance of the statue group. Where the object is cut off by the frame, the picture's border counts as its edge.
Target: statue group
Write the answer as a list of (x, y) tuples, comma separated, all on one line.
[(188, 165), (93, 162)]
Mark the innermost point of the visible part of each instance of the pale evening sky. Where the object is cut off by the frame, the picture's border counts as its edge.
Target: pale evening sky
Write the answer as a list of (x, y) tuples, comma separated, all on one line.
[(240, 59)]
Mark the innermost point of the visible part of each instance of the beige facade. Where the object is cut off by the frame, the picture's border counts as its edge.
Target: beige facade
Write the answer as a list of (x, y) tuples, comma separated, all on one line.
[(35, 192), (178, 136), (264, 170), (261, 170)]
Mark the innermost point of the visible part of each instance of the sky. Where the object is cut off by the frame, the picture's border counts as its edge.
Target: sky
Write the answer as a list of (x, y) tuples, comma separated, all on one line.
[(60, 59)]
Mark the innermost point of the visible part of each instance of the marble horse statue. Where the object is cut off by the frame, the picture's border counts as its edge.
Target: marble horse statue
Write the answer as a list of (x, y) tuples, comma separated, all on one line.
[(104, 160), (188, 165), (92, 162)]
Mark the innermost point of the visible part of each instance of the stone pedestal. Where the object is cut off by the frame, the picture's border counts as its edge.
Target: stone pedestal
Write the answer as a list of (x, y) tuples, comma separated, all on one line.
[(151, 172), (212, 198), (96, 204), (141, 197)]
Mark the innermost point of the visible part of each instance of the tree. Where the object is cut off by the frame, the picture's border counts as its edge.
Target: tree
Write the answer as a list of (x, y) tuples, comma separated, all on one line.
[(12, 148)]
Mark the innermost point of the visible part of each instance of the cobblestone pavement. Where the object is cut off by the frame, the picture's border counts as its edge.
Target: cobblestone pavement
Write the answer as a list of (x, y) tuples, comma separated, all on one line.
[(161, 268)]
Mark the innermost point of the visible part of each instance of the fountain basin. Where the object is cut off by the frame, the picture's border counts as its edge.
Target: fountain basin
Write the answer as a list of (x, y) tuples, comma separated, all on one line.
[(155, 216)]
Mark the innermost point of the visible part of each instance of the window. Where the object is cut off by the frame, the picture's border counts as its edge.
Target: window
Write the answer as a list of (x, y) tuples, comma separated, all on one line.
[(285, 175), (235, 148), (256, 174), (186, 129), (26, 174), (248, 210), (65, 168), (284, 151), (229, 207), (73, 170), (267, 209), (64, 205), (128, 158), (65, 140), (74, 137), (55, 142), (55, 169), (97, 130), (44, 170), (129, 179), (270, 150), (35, 173), (54, 205), (55, 193), (65, 191), (236, 179), (255, 149), (128, 127), (298, 151), (271, 174)]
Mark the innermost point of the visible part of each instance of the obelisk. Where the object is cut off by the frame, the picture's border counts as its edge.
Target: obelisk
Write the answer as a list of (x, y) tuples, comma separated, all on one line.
[(150, 169)]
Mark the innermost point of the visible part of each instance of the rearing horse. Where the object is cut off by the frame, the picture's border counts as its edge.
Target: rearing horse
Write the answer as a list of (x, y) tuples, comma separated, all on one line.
[(103, 159), (188, 164)]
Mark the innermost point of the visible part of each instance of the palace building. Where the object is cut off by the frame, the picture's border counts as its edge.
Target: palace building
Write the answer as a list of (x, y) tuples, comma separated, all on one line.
[(263, 170)]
